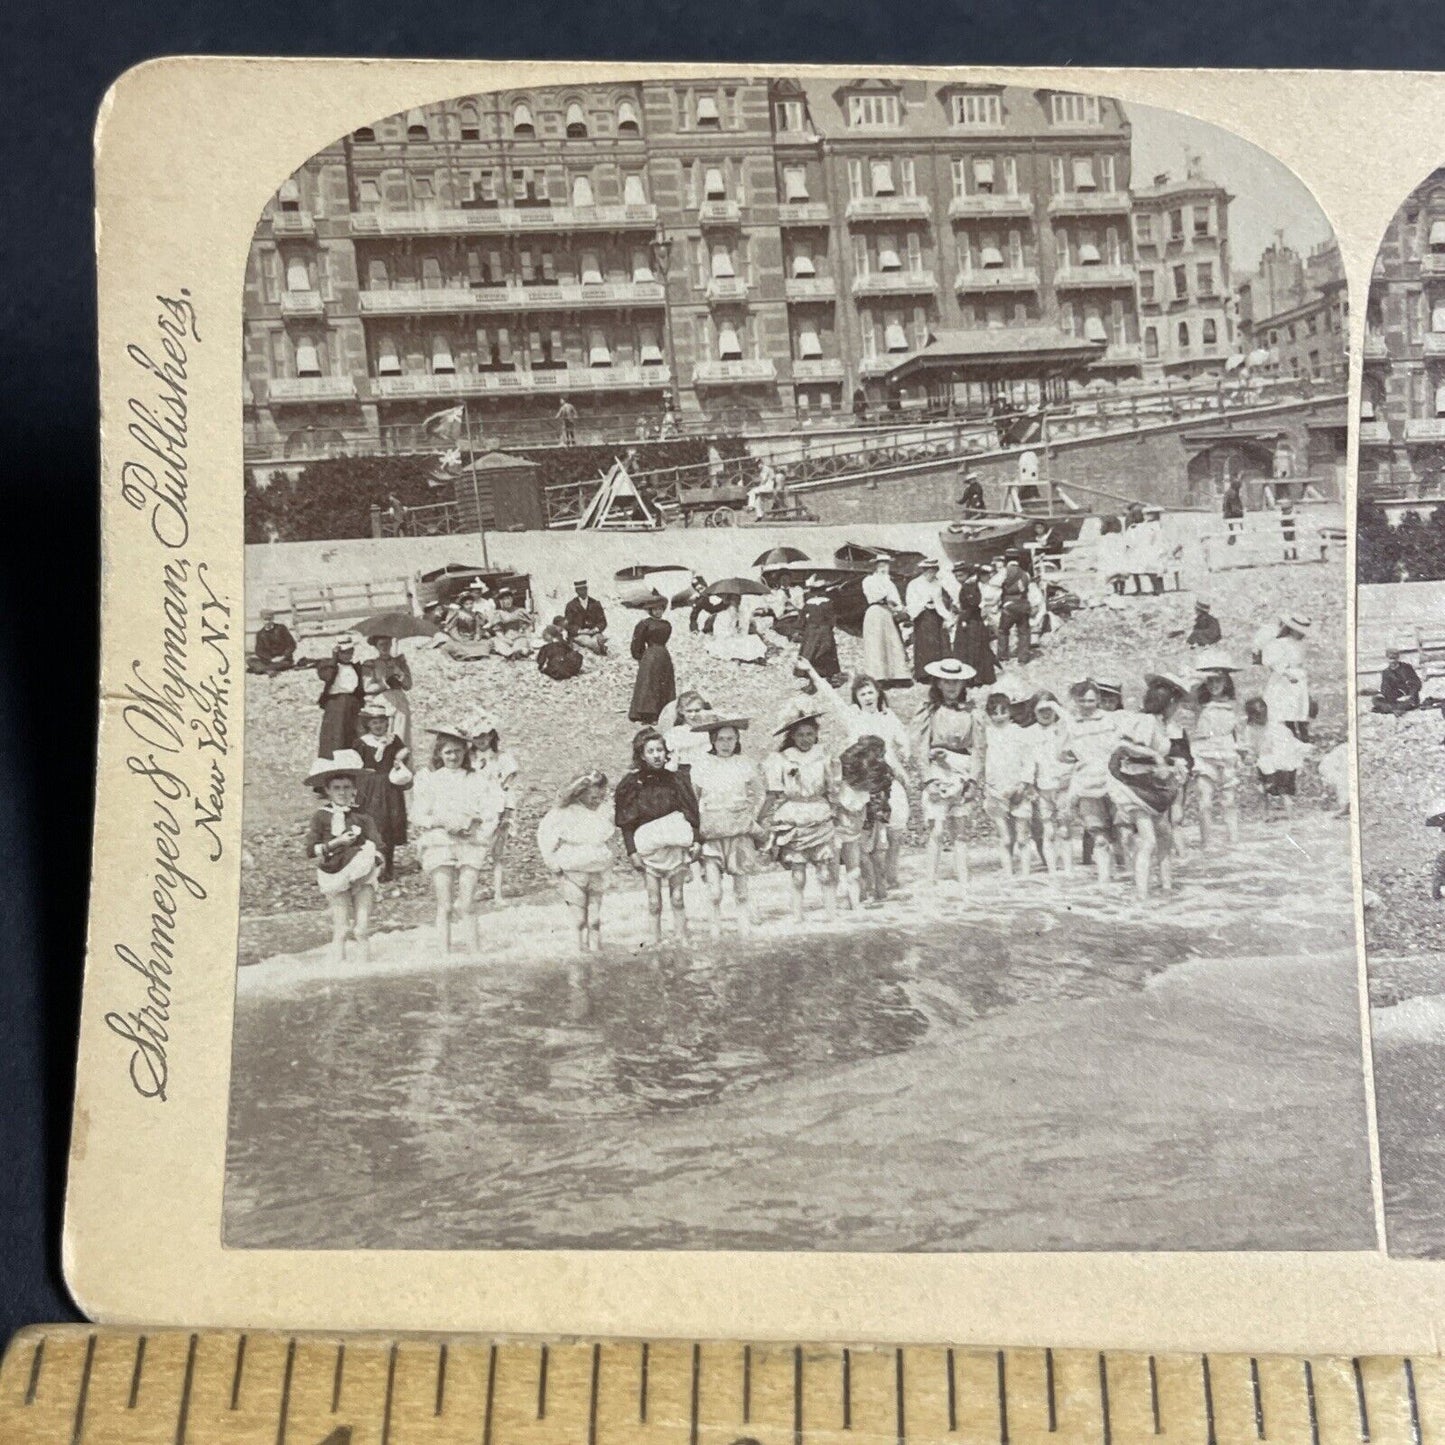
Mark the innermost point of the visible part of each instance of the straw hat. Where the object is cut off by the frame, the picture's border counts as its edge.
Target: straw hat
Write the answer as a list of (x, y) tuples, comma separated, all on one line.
[(1215, 659), (1297, 622), (796, 710), (346, 642), (710, 722), (450, 730), (1201, 604), (950, 669), (1169, 679), (377, 707), (343, 764), (929, 564)]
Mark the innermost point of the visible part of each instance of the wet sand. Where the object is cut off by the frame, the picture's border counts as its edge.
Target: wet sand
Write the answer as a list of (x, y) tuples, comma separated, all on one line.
[(1063, 1070)]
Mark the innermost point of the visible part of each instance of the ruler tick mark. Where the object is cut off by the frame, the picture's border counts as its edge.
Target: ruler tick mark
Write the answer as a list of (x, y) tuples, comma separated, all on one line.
[(441, 1400), (847, 1389), (952, 1395), (186, 1385), (1104, 1399), (898, 1392), (1360, 1400), (336, 1377), (36, 1360), (592, 1395), (286, 1390), (1049, 1389), (491, 1396), (1210, 1434), (642, 1385), (1314, 1409), (747, 1384), (140, 1356), (236, 1378), (1154, 1393), (797, 1395), (695, 1393), (77, 1430), (1258, 1399), (1414, 1401), (390, 1393), (542, 1384), (1002, 1399)]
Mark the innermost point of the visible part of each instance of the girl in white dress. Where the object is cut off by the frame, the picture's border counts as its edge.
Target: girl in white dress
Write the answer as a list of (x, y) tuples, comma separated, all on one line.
[(490, 761), (573, 840), (1216, 743), (799, 807), (684, 745), (1287, 689), (946, 744), (884, 657), (730, 795)]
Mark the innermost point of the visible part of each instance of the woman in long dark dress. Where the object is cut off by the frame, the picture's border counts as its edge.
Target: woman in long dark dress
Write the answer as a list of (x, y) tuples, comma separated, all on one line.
[(384, 778), (656, 683), (971, 641), (817, 642), (342, 691)]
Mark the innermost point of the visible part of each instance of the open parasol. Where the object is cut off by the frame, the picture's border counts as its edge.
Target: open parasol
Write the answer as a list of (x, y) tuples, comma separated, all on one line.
[(739, 587), (780, 557), (396, 624)]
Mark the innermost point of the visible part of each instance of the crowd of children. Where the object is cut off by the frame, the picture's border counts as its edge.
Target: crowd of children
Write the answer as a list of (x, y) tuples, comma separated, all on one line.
[(1063, 784)]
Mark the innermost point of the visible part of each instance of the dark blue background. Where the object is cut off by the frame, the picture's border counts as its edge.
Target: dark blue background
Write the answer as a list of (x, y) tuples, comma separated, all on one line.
[(55, 64)]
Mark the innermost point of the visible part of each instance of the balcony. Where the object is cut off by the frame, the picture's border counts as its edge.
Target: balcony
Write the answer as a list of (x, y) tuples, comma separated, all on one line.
[(566, 295), (501, 221), (719, 213), (311, 388), (1089, 203), (302, 303), (554, 382), (895, 283), (818, 369), (1122, 353), (803, 213), (1425, 429), (889, 208), (1434, 344), (1376, 348), (810, 288), (734, 373), (881, 365), (1374, 432), (988, 204), (726, 288), (292, 223), (1432, 263), (997, 278), (1109, 274)]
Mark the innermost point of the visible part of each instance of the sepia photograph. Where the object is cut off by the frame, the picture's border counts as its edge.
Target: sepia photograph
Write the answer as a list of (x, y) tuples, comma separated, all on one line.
[(1400, 662), (798, 683)]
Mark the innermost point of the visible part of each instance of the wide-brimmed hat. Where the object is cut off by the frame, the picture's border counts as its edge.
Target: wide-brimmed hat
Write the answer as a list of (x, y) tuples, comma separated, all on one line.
[(950, 669), (1115, 689), (1201, 604), (450, 730), (1296, 622), (580, 582), (1049, 701), (377, 707), (1168, 679), (929, 564), (1215, 660), (592, 778), (710, 722), (345, 640), (476, 585), (343, 764), (796, 710), (967, 473)]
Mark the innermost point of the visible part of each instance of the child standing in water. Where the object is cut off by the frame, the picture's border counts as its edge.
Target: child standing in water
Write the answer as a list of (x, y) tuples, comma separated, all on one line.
[(1278, 754), (1049, 738), (491, 763), (572, 839), (1008, 783), (945, 738), (1217, 747), (729, 796), (1093, 736), (656, 809), (343, 843), (800, 805)]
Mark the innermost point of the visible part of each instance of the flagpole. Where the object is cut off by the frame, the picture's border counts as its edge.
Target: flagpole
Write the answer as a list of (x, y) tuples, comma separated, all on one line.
[(476, 494)]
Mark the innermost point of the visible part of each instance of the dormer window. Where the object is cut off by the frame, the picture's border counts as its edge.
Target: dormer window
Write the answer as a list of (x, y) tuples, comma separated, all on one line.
[(707, 113), (981, 112), (576, 120), (365, 133), (288, 198), (1069, 109), (522, 122), (416, 126), (627, 122), (873, 110), (789, 115), (470, 122)]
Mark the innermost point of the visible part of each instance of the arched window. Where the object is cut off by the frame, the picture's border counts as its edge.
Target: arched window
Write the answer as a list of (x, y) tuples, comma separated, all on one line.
[(582, 191), (416, 126), (363, 133), (576, 120), (627, 123), (308, 357), (470, 121), (288, 198), (522, 122), (441, 356)]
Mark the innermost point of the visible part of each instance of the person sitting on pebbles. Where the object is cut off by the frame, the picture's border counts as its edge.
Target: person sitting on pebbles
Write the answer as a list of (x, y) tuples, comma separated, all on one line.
[(346, 848)]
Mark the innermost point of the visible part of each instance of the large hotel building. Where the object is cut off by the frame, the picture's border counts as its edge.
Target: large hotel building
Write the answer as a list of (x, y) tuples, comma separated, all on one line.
[(747, 248), (1402, 401)]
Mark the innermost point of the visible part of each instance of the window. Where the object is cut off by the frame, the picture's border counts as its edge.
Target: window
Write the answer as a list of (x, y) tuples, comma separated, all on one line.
[(416, 128), (860, 256), (1181, 282), (582, 191), (1068, 320), (855, 180), (888, 258), (980, 111), (881, 175), (1083, 171), (308, 358), (423, 193), (591, 269), (376, 277), (364, 133), (810, 345), (1210, 333), (1144, 229), (989, 255), (470, 122), (1094, 328), (1056, 176), (576, 123), (795, 183), (1201, 221), (648, 351), (549, 269), (959, 169), (788, 115), (642, 266), (920, 328), (873, 110), (431, 274), (983, 175), (1437, 318), (895, 338), (909, 176), (1146, 287), (1010, 176), (1113, 251), (729, 346), (598, 353), (803, 261), (994, 318), (627, 123), (1204, 278), (1183, 335), (722, 263), (1016, 250), (522, 122), (1439, 398), (388, 358), (634, 192), (707, 112), (1151, 343), (714, 186), (1176, 225), (441, 357), (1437, 235), (1066, 109), (1061, 247), (1116, 323), (298, 278), (915, 253), (870, 336), (369, 196), (1107, 174), (1088, 252)]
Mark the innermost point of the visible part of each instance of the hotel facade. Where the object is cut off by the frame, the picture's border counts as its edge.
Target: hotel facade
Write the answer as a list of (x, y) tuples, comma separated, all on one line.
[(741, 249)]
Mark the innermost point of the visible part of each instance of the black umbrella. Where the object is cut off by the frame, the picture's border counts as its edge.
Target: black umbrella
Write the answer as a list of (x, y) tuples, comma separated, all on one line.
[(739, 587), (779, 557), (396, 624)]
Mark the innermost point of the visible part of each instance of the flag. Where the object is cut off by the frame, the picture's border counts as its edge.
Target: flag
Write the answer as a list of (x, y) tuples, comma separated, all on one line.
[(447, 425)]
